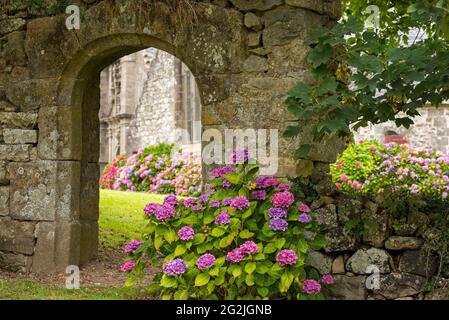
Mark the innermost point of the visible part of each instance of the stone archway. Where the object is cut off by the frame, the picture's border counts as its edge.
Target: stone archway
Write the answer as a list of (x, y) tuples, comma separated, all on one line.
[(244, 54)]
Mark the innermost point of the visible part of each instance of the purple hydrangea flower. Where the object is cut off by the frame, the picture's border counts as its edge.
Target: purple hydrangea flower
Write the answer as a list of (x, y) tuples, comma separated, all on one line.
[(186, 233), (235, 256), (304, 208), (277, 212), (240, 203), (132, 246), (187, 203), (311, 286), (214, 204), (259, 194), (175, 267), (226, 202), (171, 200), (205, 261), (249, 247), (127, 266), (286, 257), (165, 212), (240, 156), (221, 171), (328, 279), (278, 224), (197, 208), (263, 182), (223, 218), (204, 198), (150, 209), (283, 187), (304, 218), (283, 199)]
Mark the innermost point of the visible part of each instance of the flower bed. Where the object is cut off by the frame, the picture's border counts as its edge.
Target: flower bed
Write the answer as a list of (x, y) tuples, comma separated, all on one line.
[(370, 167), (156, 169), (248, 238)]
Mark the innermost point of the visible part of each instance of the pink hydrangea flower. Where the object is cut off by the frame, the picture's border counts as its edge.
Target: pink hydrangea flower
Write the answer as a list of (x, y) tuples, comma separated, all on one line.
[(235, 256), (249, 247), (186, 233), (311, 286), (205, 261), (328, 279), (127, 266), (286, 257), (283, 199), (165, 212), (240, 203), (132, 246), (150, 209), (223, 218), (304, 208), (175, 267)]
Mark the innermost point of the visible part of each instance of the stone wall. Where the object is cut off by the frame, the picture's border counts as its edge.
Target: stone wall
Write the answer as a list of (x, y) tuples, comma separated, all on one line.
[(431, 129), (395, 249), (245, 55)]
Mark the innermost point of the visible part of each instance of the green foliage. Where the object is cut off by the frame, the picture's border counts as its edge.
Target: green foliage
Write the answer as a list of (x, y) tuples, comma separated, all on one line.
[(258, 275), (362, 76)]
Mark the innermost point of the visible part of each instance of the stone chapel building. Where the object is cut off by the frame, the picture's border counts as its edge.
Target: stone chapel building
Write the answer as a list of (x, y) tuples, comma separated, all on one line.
[(146, 98)]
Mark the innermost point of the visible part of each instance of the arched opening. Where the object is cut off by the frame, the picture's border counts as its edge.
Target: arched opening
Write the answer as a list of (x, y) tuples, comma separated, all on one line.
[(121, 129)]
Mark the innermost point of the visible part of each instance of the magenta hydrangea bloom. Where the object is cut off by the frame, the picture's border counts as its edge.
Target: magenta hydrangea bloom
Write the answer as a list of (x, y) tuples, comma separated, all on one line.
[(311, 286), (283, 199), (304, 208), (304, 218), (259, 194), (205, 261), (240, 203), (187, 203), (214, 204), (277, 212), (221, 171), (175, 267), (263, 182), (197, 208), (132, 246), (186, 233), (165, 212), (235, 256), (286, 257), (226, 202), (171, 200), (283, 187), (204, 198), (127, 266), (249, 247), (150, 209), (327, 279), (223, 218), (278, 224)]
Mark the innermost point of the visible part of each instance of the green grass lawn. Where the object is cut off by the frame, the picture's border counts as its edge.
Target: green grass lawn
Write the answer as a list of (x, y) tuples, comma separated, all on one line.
[(121, 216), (121, 220)]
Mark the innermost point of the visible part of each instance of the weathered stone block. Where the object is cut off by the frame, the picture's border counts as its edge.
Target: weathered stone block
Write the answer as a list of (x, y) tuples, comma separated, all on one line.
[(18, 120), (254, 39), (19, 136), (3, 176), (255, 64), (89, 241), (44, 254), (67, 240), (282, 25), (16, 236), (347, 288), (15, 262), (30, 95), (328, 215), (15, 48), (359, 261), (321, 262), (315, 5), (252, 21), (4, 201), (338, 265), (42, 190), (9, 25), (59, 133), (339, 240), (418, 262), (397, 285), (259, 5), (403, 243), (90, 195), (17, 152)]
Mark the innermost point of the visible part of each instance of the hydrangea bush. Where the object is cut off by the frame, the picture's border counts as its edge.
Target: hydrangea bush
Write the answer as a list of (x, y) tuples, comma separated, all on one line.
[(156, 169), (369, 167), (246, 239)]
